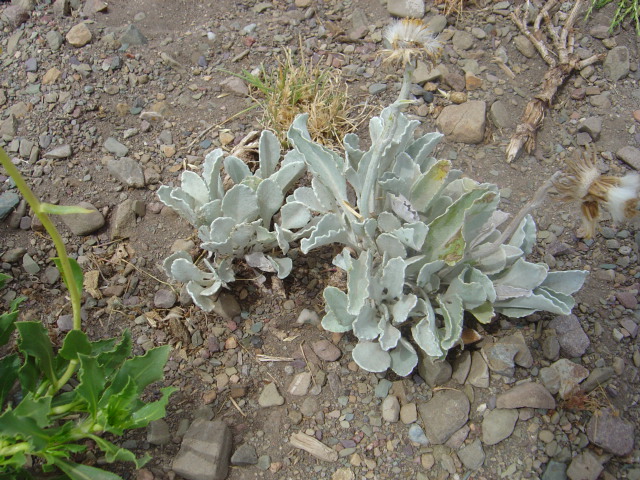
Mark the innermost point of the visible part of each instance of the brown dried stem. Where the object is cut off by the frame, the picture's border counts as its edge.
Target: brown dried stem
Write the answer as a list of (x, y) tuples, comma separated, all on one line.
[(559, 70)]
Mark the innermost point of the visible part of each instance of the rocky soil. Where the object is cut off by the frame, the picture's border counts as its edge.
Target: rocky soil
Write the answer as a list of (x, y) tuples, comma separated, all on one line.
[(103, 103)]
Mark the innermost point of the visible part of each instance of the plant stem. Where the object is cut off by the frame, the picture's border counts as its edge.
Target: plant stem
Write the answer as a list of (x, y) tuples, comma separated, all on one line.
[(14, 449), (65, 264)]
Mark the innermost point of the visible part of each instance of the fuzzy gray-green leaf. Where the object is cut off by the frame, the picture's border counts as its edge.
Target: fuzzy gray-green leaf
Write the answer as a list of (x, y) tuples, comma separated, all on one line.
[(241, 204)]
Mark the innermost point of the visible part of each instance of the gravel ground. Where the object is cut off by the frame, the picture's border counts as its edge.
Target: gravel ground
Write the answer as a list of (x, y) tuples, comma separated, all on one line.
[(105, 104)]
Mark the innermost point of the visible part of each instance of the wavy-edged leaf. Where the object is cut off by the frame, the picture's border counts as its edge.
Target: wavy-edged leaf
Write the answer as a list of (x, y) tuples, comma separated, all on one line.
[(389, 335), (236, 168), (452, 314), (393, 278), (426, 275), (358, 278), (179, 201), (525, 235), (208, 212), (388, 244), (326, 165), (194, 185), (403, 358), (371, 357), (365, 326), (198, 294), (338, 319), (567, 282), (211, 173), (387, 222), (328, 230), (402, 308), (288, 175), (307, 196), (523, 274), (282, 266), (294, 215), (154, 410), (270, 200), (425, 332), (428, 185), (268, 153), (412, 234), (241, 204)]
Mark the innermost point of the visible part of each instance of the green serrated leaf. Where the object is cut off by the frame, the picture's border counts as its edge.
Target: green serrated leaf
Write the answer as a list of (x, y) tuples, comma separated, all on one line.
[(51, 209), (9, 367), (34, 341), (115, 406), (92, 382), (75, 342), (114, 453), (29, 375), (35, 409), (152, 411), (76, 270), (142, 370), (114, 357)]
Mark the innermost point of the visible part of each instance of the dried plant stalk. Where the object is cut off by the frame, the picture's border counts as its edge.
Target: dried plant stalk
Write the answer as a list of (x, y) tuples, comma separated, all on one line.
[(559, 70)]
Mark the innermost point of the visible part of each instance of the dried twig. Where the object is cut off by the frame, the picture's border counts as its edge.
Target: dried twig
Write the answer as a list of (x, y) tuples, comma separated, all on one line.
[(559, 70)]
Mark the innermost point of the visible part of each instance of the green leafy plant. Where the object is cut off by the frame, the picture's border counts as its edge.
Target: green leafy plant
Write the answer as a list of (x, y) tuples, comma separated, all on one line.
[(624, 9), (44, 414)]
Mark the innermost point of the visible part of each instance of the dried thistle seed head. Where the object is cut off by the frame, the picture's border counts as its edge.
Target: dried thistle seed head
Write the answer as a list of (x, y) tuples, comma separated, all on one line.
[(583, 183), (410, 39)]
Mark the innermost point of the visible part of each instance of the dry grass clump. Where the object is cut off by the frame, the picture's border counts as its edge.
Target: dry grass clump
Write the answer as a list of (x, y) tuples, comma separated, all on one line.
[(297, 86), (453, 6)]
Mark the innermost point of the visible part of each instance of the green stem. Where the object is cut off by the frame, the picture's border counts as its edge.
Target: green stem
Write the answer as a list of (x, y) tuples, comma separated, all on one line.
[(67, 273)]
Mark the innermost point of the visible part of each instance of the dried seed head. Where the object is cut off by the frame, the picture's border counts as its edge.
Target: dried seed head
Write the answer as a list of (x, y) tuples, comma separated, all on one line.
[(583, 183), (410, 39)]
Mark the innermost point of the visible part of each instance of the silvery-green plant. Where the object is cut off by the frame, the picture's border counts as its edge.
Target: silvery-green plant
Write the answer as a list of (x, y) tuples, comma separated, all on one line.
[(422, 243), (236, 223)]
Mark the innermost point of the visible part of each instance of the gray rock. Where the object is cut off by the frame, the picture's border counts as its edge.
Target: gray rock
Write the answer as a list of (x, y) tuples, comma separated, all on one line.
[(524, 46), (437, 24), (127, 171), (406, 8), (235, 85), (629, 155), (8, 201), (123, 223), (500, 357), (463, 123), (479, 372), (29, 264), (530, 395), (462, 40), (158, 432), (444, 414), (15, 15), (609, 431), (498, 424), (204, 452), (573, 341), (391, 409), (472, 455), (377, 88), (598, 376), (65, 323), (417, 435), (382, 388), (434, 372), (244, 455), (9, 126), (13, 255), (63, 151), (563, 377), (555, 471), (616, 65), (408, 413), (226, 306), (499, 115), (551, 347), (51, 275), (299, 386), (326, 350), (84, 223), (310, 406), (114, 146), (132, 36), (270, 397), (584, 466), (461, 367), (164, 298), (62, 7), (593, 126)]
